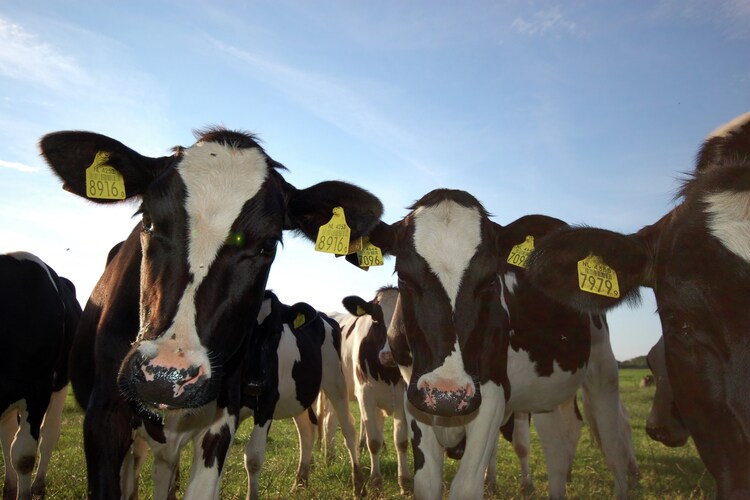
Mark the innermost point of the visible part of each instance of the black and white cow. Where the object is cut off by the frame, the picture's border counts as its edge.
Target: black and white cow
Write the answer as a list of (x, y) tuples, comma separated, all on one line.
[(176, 306), (39, 313), (476, 343), (378, 389), (295, 353), (697, 260)]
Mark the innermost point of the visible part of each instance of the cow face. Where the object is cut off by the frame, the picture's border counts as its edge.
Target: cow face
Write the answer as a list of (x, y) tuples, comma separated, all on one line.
[(212, 217), (448, 308), (697, 260)]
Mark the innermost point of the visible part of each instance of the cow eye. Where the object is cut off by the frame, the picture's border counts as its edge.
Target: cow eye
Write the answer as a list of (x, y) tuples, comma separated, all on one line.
[(147, 225), (268, 247)]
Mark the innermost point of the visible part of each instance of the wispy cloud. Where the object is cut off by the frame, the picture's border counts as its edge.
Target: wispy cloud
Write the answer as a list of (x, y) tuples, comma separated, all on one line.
[(546, 21), (18, 166), (24, 57)]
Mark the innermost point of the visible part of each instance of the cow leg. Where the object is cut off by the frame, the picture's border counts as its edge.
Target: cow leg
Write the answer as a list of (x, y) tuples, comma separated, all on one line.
[(8, 429), (522, 448), (50, 435), (428, 460), (601, 402), (372, 422), (481, 438), (572, 425), (490, 474), (130, 472), (329, 425), (401, 441), (255, 453), (306, 434), (551, 429), (24, 448), (165, 467), (210, 450)]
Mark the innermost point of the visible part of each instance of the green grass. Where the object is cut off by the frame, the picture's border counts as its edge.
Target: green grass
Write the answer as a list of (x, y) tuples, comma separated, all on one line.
[(665, 473)]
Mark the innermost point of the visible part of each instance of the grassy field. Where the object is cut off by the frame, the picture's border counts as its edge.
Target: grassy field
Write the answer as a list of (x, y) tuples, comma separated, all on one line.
[(665, 473)]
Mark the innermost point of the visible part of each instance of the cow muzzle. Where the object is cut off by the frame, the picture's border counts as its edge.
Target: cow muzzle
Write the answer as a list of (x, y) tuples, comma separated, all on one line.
[(166, 380), (444, 398)]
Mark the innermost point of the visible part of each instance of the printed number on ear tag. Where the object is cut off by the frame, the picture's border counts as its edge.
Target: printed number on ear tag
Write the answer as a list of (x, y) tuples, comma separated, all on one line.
[(594, 276), (519, 253), (104, 181), (333, 237), (369, 254)]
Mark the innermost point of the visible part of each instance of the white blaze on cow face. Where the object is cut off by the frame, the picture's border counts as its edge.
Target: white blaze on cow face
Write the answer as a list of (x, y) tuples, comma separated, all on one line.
[(729, 220), (219, 180), (447, 235)]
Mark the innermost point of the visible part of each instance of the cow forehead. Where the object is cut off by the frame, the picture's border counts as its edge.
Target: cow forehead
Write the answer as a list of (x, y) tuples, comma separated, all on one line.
[(447, 235), (219, 180)]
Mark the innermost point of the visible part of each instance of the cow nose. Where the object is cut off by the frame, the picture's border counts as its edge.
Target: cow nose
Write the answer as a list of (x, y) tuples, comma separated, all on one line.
[(444, 398), (165, 382), (665, 437), (386, 359)]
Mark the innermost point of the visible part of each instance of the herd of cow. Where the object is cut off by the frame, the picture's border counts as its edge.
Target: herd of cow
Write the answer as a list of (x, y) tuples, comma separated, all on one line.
[(180, 340)]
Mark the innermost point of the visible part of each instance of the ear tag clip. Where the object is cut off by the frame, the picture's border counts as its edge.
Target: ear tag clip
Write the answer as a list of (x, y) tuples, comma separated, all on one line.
[(360, 311), (104, 181), (519, 253), (594, 276), (299, 320), (333, 237)]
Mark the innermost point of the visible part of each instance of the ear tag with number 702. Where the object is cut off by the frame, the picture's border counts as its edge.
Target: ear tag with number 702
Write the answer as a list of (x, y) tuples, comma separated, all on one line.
[(104, 181), (519, 253), (333, 237), (594, 276)]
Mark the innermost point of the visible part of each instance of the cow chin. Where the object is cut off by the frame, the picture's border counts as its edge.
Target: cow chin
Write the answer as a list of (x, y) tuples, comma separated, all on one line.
[(453, 402), (164, 388)]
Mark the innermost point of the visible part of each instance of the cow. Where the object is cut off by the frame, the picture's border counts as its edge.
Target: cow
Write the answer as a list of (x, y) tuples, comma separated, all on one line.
[(696, 259), (664, 423), (646, 381), (378, 389), (476, 343), (177, 304), (39, 312), (294, 354)]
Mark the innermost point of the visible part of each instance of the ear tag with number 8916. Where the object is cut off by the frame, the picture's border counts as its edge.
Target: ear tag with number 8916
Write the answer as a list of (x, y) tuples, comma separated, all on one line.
[(594, 276), (519, 253), (333, 237), (104, 181)]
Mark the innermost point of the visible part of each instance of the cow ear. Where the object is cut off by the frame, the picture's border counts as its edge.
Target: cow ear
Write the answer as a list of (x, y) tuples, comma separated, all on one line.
[(357, 306), (70, 154), (518, 231), (554, 267), (300, 314), (308, 209)]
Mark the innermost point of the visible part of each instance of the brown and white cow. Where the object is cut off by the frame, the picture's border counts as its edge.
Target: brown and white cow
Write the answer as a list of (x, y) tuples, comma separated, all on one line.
[(177, 303), (377, 389), (697, 260), (475, 343), (664, 423)]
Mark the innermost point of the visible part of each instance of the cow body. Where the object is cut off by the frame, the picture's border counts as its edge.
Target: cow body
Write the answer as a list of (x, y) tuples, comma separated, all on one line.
[(476, 343), (378, 389), (297, 354), (39, 314), (697, 260), (175, 308)]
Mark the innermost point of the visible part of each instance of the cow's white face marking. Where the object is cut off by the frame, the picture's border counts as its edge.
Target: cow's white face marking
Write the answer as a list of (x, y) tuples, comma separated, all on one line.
[(447, 235), (729, 220), (219, 180), (452, 370)]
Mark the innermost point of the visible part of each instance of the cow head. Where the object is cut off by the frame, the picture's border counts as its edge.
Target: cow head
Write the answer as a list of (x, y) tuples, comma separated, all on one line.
[(697, 260), (448, 315), (212, 217), (664, 423)]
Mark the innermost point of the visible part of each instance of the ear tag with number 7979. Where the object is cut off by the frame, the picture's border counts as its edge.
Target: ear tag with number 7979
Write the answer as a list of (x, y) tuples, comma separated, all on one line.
[(333, 237), (594, 276)]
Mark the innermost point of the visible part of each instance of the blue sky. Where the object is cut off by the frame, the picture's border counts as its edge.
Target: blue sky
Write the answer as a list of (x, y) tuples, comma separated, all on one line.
[(588, 111)]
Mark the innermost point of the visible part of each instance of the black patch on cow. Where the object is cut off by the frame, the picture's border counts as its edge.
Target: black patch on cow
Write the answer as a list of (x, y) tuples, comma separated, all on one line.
[(457, 452), (312, 416), (416, 438), (26, 465), (215, 447), (507, 429)]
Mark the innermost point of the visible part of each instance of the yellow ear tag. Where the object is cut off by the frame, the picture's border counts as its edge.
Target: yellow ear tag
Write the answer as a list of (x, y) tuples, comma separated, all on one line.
[(333, 237), (369, 255), (594, 276), (299, 320), (521, 252), (104, 181), (360, 311)]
